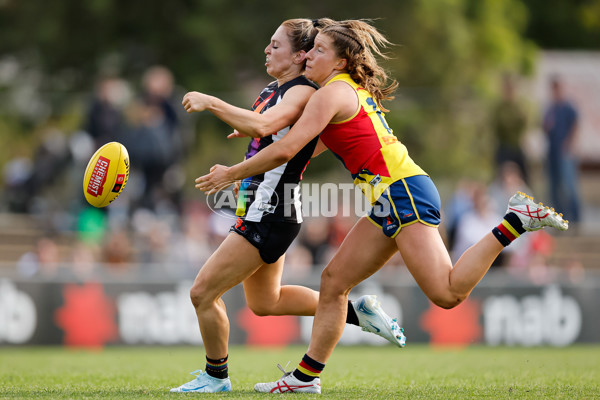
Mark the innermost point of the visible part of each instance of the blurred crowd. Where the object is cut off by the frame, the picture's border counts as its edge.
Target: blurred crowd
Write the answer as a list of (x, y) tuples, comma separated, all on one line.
[(154, 228), (150, 126)]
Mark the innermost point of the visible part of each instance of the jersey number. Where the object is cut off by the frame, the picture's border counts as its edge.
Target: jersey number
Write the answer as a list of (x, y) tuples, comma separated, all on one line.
[(371, 102)]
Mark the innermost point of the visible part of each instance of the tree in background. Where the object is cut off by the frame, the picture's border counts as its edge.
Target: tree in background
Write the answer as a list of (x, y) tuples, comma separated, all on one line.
[(448, 59)]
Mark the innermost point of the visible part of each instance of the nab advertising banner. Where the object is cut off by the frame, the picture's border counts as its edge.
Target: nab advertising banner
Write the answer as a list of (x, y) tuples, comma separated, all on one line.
[(95, 314)]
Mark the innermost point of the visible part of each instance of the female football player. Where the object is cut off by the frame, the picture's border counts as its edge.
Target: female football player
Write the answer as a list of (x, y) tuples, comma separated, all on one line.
[(253, 252), (347, 113)]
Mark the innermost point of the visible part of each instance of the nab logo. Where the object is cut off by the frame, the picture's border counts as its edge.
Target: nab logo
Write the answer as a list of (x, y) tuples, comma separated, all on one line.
[(547, 318), (18, 314)]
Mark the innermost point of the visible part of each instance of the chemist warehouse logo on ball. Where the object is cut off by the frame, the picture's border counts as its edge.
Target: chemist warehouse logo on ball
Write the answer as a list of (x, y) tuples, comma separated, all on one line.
[(98, 177), (309, 199)]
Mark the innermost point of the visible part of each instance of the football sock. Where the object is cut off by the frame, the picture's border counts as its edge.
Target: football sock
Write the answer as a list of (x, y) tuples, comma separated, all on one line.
[(308, 369), (351, 317), (217, 368), (509, 229)]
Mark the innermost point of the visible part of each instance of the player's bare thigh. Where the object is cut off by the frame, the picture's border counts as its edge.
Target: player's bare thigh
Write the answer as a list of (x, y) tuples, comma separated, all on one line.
[(426, 257), (264, 285), (235, 260), (362, 253)]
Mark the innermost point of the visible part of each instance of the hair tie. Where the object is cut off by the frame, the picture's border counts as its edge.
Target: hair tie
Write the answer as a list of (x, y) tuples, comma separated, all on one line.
[(315, 23)]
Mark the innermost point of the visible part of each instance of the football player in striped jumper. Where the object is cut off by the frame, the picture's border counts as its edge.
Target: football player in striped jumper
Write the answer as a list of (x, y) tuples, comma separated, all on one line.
[(268, 218), (347, 113)]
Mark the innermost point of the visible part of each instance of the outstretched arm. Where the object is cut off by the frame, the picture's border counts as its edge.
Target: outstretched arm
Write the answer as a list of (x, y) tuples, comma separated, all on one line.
[(319, 111), (254, 124)]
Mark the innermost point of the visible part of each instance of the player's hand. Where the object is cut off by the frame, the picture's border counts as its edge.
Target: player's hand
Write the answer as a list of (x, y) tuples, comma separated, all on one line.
[(217, 179), (236, 134), (236, 188), (196, 102)]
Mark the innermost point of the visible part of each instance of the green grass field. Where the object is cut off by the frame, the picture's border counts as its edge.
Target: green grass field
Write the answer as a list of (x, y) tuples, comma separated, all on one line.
[(416, 372)]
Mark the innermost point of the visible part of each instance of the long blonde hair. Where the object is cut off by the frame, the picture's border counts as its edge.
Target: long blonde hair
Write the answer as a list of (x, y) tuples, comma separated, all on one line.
[(358, 42)]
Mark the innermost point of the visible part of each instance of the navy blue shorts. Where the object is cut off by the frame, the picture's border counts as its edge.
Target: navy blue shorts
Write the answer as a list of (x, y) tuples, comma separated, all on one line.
[(405, 202)]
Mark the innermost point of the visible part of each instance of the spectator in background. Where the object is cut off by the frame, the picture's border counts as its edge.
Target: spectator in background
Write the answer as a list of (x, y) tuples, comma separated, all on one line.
[(117, 252), (157, 88), (43, 261), (476, 222), (84, 259), (509, 123), (315, 238), (17, 173), (154, 142), (508, 181), (149, 145), (458, 205), (51, 159), (191, 247), (105, 121), (560, 126)]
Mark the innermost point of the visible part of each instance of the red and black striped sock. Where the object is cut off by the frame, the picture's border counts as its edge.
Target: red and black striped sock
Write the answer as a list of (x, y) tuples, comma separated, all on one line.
[(217, 368), (509, 229), (308, 369)]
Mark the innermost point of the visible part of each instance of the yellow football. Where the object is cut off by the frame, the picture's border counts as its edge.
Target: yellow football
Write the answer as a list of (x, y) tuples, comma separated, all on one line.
[(106, 174)]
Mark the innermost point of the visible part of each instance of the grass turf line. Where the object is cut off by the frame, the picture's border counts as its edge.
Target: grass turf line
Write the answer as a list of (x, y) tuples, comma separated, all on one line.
[(416, 372)]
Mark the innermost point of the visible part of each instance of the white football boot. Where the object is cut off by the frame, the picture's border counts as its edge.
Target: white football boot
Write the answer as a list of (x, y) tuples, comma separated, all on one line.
[(204, 383), (372, 318), (535, 216), (288, 383)]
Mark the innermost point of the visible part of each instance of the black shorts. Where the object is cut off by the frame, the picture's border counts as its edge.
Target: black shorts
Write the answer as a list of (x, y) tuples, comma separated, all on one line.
[(272, 239)]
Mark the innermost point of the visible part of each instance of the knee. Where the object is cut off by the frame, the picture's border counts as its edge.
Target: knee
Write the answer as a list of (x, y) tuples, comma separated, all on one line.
[(260, 307), (332, 286), (447, 300), (200, 295)]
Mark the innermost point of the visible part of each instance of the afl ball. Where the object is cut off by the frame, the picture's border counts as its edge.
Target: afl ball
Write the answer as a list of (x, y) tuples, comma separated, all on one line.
[(106, 174)]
